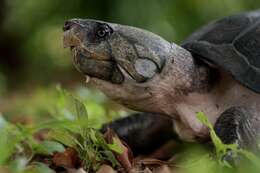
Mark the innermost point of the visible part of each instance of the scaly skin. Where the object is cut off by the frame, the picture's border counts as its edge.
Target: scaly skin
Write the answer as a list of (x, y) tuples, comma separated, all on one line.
[(147, 73), (138, 69)]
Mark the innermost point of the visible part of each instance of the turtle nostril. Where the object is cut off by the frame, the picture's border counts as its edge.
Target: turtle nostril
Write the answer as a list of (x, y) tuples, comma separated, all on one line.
[(68, 25)]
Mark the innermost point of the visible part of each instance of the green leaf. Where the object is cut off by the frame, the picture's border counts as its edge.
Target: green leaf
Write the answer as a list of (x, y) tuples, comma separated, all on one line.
[(110, 157), (250, 156), (116, 146), (62, 136), (73, 109), (18, 165), (3, 122), (203, 119), (221, 148), (93, 135), (10, 137), (61, 97), (42, 168), (80, 108), (49, 147), (82, 116), (59, 124)]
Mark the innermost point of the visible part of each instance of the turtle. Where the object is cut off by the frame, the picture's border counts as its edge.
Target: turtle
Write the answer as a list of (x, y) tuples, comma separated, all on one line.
[(216, 71)]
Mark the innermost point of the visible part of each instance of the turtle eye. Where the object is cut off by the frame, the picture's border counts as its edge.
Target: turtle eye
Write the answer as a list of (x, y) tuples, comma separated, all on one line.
[(103, 31)]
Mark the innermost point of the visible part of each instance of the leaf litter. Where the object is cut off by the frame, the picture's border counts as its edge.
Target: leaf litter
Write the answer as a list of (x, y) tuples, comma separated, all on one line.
[(69, 143)]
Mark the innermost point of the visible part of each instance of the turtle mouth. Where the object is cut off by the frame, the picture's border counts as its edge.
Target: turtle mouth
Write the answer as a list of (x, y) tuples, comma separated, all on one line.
[(88, 64)]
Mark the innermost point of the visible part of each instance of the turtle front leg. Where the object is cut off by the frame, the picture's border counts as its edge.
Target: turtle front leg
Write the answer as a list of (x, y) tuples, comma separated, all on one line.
[(143, 132), (240, 125)]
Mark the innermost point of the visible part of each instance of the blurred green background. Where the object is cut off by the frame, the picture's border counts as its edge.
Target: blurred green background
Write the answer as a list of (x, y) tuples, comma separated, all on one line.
[(32, 58)]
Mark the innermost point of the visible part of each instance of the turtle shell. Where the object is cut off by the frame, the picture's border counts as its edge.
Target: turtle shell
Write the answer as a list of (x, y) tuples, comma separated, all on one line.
[(231, 44)]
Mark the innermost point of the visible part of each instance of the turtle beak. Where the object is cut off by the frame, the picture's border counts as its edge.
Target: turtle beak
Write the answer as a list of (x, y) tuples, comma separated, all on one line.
[(70, 37), (88, 58), (68, 25)]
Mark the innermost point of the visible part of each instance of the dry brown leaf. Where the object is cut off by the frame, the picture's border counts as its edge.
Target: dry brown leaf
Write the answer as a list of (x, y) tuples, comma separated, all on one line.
[(163, 169), (67, 159), (147, 170), (125, 158), (4, 170), (106, 169), (41, 135), (80, 170), (151, 161), (166, 151)]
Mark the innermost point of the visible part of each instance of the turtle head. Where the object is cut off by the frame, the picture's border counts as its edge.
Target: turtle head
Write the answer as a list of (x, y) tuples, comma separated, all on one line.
[(140, 54), (125, 62)]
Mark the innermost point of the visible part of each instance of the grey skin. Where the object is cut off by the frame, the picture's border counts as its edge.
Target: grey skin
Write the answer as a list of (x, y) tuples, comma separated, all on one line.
[(216, 71)]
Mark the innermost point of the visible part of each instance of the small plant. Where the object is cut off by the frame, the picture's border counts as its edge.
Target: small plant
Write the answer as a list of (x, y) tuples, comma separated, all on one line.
[(89, 143), (223, 149), (68, 139), (69, 128)]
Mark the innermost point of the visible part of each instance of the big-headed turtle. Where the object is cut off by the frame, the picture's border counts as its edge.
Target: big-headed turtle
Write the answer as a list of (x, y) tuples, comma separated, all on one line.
[(216, 71)]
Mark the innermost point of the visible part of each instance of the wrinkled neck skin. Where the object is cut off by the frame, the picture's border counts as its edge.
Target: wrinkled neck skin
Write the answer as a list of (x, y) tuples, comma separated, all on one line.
[(167, 92)]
